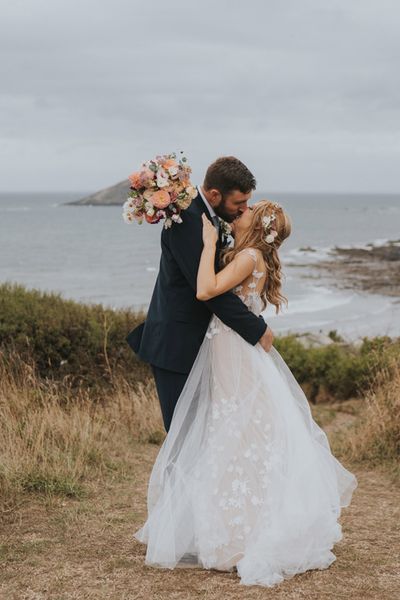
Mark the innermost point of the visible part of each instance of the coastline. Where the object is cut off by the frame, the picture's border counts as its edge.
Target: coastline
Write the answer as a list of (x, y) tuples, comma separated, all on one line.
[(374, 268), (353, 291)]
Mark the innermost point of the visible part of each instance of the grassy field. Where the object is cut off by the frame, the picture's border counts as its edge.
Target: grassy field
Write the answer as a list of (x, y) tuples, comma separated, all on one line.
[(74, 480), (59, 547), (80, 427)]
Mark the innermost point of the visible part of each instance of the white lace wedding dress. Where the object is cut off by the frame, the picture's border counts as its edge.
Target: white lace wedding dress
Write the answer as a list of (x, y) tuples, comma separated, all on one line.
[(245, 477)]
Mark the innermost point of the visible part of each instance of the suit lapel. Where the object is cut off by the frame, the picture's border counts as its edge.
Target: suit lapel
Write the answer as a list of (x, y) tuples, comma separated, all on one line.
[(200, 207)]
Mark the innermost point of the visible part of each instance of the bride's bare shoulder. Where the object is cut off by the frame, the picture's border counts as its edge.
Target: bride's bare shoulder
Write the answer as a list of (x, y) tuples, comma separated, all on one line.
[(255, 253)]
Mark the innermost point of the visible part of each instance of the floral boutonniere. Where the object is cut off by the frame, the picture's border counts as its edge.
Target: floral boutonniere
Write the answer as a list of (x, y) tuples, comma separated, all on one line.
[(225, 231)]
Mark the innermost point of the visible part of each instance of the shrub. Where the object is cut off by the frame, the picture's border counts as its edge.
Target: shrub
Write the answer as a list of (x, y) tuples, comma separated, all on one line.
[(85, 343)]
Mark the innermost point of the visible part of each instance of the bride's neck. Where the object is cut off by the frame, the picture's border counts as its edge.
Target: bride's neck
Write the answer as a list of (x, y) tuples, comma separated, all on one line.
[(238, 238)]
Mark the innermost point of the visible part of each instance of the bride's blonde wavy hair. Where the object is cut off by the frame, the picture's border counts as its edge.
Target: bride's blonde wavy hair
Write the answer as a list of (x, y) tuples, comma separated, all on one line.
[(254, 237)]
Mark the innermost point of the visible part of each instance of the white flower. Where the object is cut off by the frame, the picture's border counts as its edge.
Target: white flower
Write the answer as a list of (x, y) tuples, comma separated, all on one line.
[(191, 192), (269, 238), (128, 217), (162, 178), (147, 194), (266, 221), (173, 171), (168, 223), (129, 202), (176, 218), (150, 211)]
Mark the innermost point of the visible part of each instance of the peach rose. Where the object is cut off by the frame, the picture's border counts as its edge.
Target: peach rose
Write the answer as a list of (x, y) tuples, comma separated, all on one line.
[(161, 199), (170, 162), (135, 180)]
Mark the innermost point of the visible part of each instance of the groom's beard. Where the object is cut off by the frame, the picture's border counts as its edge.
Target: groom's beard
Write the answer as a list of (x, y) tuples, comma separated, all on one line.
[(223, 214)]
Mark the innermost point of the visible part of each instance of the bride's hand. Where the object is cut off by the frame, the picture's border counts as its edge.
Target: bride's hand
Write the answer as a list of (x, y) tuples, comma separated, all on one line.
[(210, 235)]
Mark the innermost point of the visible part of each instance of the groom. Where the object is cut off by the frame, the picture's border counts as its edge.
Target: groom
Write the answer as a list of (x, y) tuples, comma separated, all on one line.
[(177, 322)]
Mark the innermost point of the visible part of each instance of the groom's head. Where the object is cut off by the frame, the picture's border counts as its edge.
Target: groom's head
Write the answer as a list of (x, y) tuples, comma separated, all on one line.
[(227, 186)]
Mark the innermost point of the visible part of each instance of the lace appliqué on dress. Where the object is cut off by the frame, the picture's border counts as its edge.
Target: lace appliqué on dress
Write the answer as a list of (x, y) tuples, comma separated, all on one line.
[(247, 292)]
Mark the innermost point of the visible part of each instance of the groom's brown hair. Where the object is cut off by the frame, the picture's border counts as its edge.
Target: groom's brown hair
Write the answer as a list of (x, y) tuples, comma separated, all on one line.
[(227, 174)]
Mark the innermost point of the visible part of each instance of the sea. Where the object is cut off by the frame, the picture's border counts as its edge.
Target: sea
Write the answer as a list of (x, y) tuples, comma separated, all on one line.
[(89, 254)]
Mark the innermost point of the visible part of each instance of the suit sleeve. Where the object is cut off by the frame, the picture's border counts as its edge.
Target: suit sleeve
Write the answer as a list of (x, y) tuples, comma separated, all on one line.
[(185, 243)]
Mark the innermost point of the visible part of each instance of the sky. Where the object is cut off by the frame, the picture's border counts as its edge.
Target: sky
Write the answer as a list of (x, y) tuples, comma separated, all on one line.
[(305, 92)]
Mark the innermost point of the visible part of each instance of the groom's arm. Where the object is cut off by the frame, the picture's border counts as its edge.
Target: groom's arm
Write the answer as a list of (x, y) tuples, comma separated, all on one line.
[(185, 243)]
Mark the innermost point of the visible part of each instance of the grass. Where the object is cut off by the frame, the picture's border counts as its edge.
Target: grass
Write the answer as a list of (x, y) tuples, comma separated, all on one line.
[(76, 458), (53, 438), (375, 437), (74, 482)]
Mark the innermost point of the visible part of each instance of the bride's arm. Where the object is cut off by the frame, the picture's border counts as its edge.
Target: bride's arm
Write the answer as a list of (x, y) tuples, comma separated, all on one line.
[(211, 284)]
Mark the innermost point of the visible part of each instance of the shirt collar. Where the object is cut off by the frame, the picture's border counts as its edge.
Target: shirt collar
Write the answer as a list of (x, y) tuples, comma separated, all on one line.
[(210, 208)]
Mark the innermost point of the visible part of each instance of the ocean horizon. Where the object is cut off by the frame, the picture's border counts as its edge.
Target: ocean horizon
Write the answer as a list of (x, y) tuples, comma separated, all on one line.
[(89, 254)]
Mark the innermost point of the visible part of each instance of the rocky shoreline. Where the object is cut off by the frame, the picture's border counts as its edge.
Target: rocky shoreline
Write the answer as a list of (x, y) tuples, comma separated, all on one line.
[(373, 268)]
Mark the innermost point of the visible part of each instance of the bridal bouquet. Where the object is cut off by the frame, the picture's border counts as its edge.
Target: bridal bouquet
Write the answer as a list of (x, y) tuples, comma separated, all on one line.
[(161, 189)]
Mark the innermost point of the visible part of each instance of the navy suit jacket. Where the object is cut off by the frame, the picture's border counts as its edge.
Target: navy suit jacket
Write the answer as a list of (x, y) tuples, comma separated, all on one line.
[(176, 321)]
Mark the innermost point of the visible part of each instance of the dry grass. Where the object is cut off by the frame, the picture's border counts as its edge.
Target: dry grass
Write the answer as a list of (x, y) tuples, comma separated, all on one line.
[(52, 438), (375, 437), (73, 490), (58, 548)]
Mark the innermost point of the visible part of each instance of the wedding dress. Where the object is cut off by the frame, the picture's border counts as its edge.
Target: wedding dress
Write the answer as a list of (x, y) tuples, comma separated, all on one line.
[(245, 478)]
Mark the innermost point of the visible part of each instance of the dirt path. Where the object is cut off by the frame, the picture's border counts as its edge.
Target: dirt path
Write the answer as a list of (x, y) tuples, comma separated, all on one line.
[(64, 549)]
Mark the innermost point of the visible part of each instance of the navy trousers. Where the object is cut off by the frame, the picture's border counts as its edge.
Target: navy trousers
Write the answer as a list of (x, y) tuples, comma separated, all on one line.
[(169, 385)]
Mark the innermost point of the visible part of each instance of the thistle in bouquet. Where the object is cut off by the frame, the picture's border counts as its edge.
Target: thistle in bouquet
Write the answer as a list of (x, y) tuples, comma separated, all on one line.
[(161, 189)]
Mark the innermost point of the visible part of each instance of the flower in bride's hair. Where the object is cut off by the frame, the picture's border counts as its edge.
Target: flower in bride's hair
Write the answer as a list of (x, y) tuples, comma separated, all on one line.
[(267, 220), (161, 199), (267, 224)]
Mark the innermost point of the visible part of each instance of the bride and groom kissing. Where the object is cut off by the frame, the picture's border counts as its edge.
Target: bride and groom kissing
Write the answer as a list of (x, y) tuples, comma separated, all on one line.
[(245, 479)]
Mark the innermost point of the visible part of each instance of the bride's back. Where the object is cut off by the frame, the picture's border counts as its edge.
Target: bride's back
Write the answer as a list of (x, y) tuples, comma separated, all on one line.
[(249, 291)]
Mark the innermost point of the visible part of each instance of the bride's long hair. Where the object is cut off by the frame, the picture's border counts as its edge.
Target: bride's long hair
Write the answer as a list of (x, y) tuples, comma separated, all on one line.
[(255, 238)]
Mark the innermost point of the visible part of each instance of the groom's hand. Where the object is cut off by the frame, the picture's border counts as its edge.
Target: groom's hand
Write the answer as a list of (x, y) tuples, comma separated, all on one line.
[(267, 339)]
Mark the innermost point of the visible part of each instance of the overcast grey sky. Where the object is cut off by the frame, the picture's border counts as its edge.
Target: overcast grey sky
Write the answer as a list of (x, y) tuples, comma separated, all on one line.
[(305, 92)]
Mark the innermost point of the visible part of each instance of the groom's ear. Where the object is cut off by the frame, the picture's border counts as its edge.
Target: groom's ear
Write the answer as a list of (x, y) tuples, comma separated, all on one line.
[(215, 196)]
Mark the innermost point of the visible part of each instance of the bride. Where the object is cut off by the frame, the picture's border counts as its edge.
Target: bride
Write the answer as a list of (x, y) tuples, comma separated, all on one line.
[(245, 479)]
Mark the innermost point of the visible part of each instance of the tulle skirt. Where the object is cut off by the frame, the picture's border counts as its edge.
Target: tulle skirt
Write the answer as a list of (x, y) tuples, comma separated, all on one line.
[(245, 478)]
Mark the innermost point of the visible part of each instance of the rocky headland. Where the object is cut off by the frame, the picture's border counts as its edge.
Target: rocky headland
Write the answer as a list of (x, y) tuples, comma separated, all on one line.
[(114, 195), (372, 268)]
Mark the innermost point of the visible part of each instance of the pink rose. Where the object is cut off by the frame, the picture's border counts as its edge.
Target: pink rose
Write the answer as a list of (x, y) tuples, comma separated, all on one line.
[(146, 176)]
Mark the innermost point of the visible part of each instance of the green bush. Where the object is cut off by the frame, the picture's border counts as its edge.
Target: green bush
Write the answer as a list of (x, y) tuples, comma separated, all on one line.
[(64, 338), (342, 370), (86, 344)]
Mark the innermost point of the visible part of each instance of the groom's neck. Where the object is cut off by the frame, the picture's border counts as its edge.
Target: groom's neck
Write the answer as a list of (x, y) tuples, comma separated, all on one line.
[(212, 202)]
